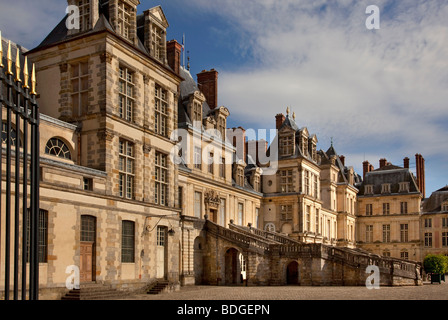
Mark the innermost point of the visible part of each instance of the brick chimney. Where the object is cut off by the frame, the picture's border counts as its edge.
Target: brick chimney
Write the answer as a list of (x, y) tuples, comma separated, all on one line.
[(173, 53), (279, 119), (383, 163), (406, 163), (208, 84), (342, 158), (366, 167), (420, 165)]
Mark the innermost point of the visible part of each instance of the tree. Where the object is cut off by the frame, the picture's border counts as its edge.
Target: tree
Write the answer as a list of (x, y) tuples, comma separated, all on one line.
[(437, 264)]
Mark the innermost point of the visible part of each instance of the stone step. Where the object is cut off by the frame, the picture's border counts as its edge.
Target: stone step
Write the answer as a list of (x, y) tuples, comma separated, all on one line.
[(92, 292), (158, 288)]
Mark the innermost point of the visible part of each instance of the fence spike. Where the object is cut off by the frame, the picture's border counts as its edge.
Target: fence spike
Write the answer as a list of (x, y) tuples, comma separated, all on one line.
[(25, 74), (9, 58), (33, 80), (18, 66)]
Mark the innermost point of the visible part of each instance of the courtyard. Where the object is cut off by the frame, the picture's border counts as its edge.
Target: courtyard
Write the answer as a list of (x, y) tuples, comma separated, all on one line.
[(427, 291)]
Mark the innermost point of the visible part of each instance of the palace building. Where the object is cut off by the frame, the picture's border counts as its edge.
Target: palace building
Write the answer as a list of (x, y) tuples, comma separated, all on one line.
[(138, 170)]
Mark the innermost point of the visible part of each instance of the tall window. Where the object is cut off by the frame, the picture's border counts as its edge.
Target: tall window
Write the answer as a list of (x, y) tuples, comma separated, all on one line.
[(317, 221), (404, 255), (198, 204), (57, 148), (197, 114), (404, 232), (257, 182), (128, 242), (124, 19), (161, 116), (445, 222), (198, 158), (126, 169), (287, 145), (80, 88), (126, 96), (222, 168), (369, 209), (428, 223), (42, 236), (161, 186), (444, 239), (369, 233), (386, 232), (240, 213), (403, 207), (211, 163), (308, 218), (286, 212), (307, 183), (316, 185), (240, 176), (428, 239), (157, 47), (386, 253), (221, 127), (84, 14), (286, 181), (386, 208)]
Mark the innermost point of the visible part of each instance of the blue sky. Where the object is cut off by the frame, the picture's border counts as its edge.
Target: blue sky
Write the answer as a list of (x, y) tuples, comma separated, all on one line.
[(377, 93)]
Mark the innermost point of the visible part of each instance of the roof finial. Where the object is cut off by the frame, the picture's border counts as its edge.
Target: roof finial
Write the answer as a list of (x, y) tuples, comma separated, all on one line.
[(287, 111), (331, 141), (188, 65), (294, 116)]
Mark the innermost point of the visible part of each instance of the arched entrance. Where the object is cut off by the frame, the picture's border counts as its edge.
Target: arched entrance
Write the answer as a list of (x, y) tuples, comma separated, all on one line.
[(292, 273), (232, 267), (198, 260)]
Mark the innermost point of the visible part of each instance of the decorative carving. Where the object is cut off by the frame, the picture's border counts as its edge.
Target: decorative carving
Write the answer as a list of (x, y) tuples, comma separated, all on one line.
[(147, 148), (106, 57), (211, 198)]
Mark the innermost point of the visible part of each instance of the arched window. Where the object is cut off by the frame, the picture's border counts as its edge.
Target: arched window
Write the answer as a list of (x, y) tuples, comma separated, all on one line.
[(58, 148)]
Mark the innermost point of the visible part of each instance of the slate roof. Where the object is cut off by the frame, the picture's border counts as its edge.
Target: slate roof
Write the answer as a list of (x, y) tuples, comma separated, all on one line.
[(434, 202), (389, 174)]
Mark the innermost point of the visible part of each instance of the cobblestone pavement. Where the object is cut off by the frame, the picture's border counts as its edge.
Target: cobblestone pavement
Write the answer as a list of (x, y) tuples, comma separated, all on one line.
[(425, 292)]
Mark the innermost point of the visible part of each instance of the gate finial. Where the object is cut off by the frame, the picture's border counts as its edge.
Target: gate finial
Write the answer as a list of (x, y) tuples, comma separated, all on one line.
[(9, 58), (18, 66), (33, 81), (1, 50), (25, 74)]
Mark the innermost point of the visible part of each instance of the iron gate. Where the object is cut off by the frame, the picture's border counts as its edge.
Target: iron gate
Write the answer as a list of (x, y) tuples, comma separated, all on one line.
[(19, 173)]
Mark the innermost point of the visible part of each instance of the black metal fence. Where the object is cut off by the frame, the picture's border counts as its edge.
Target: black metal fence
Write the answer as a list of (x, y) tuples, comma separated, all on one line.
[(19, 173)]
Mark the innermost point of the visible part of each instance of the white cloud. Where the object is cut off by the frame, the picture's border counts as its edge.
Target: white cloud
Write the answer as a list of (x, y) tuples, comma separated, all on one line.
[(382, 87)]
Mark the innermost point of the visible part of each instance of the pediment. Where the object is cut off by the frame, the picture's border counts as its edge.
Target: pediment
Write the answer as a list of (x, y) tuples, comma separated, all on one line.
[(157, 12)]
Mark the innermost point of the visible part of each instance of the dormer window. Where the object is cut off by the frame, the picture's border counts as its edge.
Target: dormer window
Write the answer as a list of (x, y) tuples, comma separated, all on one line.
[(84, 15), (404, 187), (445, 206), (197, 114), (385, 188), (368, 189), (124, 23), (287, 145), (157, 45), (221, 127)]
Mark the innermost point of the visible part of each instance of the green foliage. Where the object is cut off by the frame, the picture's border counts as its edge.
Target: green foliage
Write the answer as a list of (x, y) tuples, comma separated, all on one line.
[(436, 264)]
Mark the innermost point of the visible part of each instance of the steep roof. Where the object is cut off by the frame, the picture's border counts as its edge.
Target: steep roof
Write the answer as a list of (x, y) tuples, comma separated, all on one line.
[(434, 202), (392, 175)]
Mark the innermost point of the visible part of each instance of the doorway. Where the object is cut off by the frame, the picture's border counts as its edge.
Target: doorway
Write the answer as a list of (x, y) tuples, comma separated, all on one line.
[(161, 252), (292, 273), (87, 249), (232, 268)]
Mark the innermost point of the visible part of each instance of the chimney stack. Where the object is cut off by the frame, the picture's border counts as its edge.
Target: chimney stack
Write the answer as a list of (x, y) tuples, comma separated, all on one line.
[(420, 165), (173, 53), (279, 119), (208, 84), (367, 167), (383, 163), (406, 163), (342, 158)]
